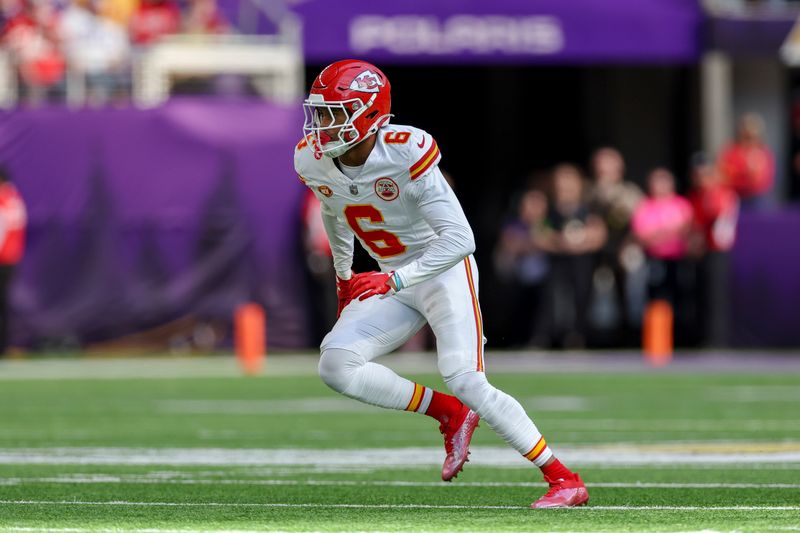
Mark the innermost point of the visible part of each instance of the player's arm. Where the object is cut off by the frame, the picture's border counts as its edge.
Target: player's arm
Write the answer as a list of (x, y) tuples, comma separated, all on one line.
[(339, 236), (438, 205), (341, 240)]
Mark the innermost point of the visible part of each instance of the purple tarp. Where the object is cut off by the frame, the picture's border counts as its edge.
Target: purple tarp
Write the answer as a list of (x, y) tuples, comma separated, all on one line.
[(141, 217), (766, 279), (514, 31)]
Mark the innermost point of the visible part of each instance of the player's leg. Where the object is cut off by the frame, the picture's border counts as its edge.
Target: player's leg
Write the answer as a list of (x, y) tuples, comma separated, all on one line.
[(368, 329), (450, 303)]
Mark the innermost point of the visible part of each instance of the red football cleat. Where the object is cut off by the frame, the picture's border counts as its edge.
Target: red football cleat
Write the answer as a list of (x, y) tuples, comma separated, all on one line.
[(563, 493), (457, 435)]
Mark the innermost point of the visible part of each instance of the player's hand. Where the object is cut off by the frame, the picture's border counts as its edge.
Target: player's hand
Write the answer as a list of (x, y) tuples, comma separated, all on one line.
[(368, 284), (344, 292)]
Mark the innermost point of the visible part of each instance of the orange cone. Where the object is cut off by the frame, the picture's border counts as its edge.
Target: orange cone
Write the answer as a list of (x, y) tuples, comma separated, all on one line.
[(657, 341), (250, 337)]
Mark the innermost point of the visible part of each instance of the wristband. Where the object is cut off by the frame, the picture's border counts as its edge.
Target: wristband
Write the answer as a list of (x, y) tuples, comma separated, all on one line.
[(397, 282)]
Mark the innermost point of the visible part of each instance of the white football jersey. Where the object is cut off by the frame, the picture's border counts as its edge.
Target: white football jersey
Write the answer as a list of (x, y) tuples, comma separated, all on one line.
[(400, 207)]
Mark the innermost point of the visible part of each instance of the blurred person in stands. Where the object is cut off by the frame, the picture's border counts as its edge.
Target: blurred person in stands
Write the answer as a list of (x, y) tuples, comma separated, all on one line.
[(204, 18), (154, 19), (576, 234), (747, 164), (119, 11), (615, 199), (29, 33), (716, 211), (13, 220), (97, 48), (662, 223), (519, 259)]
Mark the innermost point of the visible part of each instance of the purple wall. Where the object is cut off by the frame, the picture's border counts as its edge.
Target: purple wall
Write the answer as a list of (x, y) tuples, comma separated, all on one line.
[(766, 279), (141, 217)]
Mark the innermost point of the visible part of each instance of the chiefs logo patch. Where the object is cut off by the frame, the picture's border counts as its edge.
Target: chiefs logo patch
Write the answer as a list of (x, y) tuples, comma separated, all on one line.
[(386, 189), (366, 82), (324, 189)]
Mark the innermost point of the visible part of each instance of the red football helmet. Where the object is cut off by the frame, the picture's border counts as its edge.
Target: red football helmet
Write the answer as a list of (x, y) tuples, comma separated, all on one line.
[(356, 88)]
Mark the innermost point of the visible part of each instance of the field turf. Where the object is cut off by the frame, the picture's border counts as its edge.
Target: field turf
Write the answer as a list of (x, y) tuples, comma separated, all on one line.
[(168, 444)]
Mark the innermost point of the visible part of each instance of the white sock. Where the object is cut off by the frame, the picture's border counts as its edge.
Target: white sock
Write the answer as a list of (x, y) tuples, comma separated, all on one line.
[(503, 414)]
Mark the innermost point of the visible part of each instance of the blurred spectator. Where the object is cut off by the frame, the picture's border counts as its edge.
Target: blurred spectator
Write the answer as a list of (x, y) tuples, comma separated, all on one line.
[(715, 205), (13, 220), (662, 223), (576, 234), (203, 18), (747, 164), (97, 49), (154, 19), (83, 49), (119, 11), (519, 260), (615, 200), (716, 210), (29, 33)]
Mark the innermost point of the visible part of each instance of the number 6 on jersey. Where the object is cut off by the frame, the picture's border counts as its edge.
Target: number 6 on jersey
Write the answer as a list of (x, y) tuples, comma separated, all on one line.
[(371, 238)]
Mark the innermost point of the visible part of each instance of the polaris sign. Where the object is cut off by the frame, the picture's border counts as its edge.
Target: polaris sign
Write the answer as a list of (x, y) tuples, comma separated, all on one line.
[(429, 35)]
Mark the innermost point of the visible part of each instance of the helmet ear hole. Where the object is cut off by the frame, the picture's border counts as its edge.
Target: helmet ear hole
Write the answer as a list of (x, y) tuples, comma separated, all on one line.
[(372, 115)]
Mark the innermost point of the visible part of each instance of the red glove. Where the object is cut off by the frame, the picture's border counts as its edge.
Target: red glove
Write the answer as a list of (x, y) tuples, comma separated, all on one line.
[(344, 292), (368, 284)]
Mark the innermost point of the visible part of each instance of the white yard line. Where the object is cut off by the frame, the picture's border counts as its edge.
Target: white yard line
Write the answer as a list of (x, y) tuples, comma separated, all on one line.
[(156, 480), (123, 503), (385, 458)]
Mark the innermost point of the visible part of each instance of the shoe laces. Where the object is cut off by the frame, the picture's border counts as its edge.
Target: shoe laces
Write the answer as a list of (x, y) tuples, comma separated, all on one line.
[(555, 486), (448, 442)]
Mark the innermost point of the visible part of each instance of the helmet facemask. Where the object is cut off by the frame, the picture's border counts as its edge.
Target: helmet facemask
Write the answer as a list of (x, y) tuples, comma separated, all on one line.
[(320, 122)]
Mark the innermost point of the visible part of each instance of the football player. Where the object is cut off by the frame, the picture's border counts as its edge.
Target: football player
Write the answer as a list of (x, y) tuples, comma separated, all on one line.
[(381, 182)]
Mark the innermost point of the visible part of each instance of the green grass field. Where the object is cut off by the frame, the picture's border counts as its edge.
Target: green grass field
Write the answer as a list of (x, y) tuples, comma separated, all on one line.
[(162, 445)]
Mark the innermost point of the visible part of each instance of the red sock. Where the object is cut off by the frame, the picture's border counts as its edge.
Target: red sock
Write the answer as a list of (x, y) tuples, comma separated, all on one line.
[(443, 407), (556, 470)]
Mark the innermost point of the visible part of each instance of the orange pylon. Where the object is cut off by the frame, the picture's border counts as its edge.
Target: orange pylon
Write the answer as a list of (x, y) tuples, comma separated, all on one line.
[(250, 337), (657, 343)]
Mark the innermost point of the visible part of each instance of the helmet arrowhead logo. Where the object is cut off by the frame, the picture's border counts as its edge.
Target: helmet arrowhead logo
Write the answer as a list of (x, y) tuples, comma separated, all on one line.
[(367, 82)]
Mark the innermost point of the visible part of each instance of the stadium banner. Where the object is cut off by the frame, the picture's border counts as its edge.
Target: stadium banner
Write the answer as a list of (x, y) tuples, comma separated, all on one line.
[(143, 218), (502, 31)]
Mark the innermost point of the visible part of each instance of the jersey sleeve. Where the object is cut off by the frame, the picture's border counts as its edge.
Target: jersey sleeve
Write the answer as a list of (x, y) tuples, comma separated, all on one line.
[(299, 167), (438, 205), (423, 154), (341, 240), (340, 237)]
